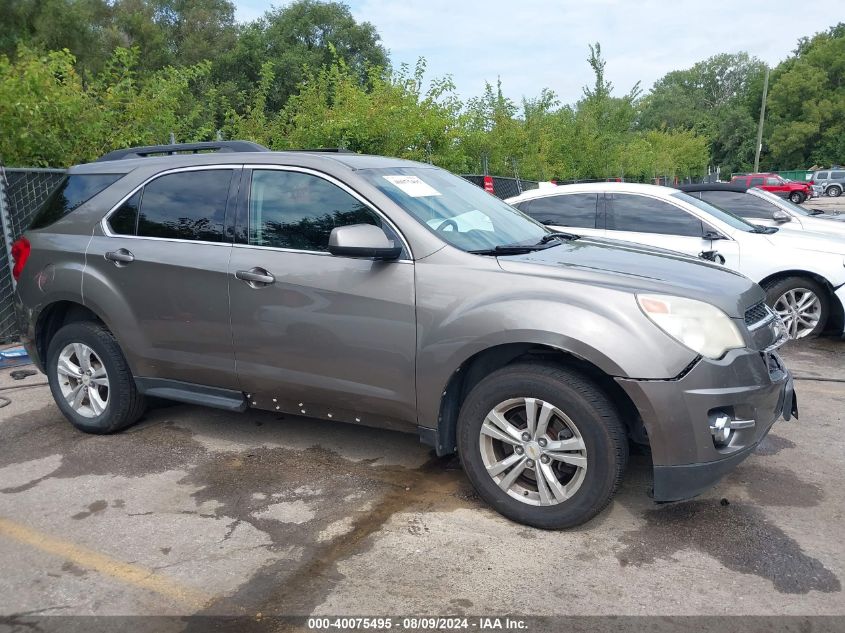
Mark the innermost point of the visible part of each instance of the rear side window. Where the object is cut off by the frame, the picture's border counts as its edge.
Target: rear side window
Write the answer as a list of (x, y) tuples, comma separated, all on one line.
[(837, 175), (124, 221), (641, 214), (575, 210), (289, 209), (72, 192), (742, 204)]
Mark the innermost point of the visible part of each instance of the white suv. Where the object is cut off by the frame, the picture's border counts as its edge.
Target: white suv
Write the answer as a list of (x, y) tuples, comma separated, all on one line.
[(802, 272)]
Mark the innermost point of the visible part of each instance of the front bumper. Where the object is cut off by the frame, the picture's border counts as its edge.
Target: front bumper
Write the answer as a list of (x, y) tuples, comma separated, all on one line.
[(744, 385)]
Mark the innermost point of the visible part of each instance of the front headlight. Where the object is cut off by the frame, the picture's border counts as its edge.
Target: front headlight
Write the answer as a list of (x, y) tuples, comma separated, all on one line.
[(703, 328)]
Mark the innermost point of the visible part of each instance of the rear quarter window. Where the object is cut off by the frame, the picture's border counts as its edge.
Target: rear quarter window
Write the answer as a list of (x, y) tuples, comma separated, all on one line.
[(71, 193)]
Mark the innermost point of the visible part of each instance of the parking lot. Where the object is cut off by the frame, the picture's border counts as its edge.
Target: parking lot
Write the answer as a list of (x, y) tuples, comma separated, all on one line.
[(199, 511)]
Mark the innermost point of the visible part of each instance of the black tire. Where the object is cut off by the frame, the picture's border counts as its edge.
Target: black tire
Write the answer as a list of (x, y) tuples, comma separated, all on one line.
[(124, 405), (777, 288), (589, 408), (834, 191), (797, 197)]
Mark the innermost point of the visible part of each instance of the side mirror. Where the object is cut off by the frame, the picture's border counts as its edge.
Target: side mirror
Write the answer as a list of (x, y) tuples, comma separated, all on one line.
[(711, 234), (362, 240), (780, 216)]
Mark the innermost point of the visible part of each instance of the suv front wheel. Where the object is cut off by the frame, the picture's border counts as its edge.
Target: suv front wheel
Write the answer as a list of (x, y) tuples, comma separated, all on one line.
[(542, 444), (797, 197), (90, 379), (834, 191)]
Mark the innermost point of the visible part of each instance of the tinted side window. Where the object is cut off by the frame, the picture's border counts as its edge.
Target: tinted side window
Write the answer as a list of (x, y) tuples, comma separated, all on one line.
[(290, 209), (743, 204), (756, 182), (72, 192), (772, 181), (575, 209), (124, 221), (837, 175), (648, 215), (822, 175), (189, 205)]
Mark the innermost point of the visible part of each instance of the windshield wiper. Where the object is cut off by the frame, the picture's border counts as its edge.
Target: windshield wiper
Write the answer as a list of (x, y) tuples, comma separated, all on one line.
[(519, 249), (509, 249), (816, 212), (558, 235), (765, 230)]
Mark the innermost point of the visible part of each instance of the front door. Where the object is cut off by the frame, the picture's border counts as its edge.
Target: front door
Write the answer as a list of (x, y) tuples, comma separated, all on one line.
[(647, 220), (316, 334)]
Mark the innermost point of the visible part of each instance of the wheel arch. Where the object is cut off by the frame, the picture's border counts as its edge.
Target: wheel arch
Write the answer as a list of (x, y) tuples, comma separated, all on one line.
[(56, 315), (836, 319), (482, 363)]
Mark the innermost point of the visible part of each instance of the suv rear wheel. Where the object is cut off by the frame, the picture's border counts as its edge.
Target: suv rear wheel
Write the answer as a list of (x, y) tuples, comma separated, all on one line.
[(802, 303), (542, 444), (90, 380), (834, 191)]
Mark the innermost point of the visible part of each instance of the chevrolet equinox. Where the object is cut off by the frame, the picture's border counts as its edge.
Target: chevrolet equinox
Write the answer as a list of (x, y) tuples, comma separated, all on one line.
[(391, 293)]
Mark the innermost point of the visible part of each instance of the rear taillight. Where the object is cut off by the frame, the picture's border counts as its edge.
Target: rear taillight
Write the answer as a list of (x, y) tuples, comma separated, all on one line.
[(20, 253)]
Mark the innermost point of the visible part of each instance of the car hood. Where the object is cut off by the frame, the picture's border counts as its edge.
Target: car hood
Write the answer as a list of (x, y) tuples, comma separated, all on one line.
[(813, 240), (640, 268), (822, 224)]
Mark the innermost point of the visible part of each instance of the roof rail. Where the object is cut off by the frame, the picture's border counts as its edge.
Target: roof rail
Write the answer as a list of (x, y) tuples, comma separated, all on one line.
[(183, 148), (328, 150)]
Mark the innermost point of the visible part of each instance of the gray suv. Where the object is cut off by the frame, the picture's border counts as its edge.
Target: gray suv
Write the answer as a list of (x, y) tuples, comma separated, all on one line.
[(831, 181), (391, 293)]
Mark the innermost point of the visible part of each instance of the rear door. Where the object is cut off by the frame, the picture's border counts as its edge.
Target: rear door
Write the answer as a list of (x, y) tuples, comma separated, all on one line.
[(157, 266), (320, 335), (647, 220), (573, 212)]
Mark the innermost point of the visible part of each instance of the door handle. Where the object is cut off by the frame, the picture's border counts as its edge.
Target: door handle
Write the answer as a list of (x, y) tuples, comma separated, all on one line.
[(120, 256), (256, 277)]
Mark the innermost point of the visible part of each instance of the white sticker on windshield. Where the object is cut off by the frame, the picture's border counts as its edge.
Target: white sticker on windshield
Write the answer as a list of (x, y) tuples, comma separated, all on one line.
[(412, 186)]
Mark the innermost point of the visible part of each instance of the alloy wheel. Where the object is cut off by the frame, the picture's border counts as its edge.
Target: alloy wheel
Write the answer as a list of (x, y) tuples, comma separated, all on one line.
[(533, 451), (800, 309), (83, 380)]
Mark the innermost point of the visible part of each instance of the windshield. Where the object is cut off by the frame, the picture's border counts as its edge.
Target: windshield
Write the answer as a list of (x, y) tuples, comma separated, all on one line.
[(459, 212), (784, 202), (727, 217)]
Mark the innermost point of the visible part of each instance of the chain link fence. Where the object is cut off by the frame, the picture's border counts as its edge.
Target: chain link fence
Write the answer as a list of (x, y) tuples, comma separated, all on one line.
[(21, 192), (503, 187)]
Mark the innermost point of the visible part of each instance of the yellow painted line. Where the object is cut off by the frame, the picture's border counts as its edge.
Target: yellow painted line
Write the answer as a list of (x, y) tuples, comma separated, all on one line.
[(130, 574)]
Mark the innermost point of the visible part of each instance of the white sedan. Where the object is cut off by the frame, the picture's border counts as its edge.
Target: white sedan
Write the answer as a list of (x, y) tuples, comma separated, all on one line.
[(802, 272), (763, 207)]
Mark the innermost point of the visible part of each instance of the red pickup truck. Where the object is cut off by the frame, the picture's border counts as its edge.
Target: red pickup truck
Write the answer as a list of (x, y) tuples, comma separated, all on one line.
[(797, 192)]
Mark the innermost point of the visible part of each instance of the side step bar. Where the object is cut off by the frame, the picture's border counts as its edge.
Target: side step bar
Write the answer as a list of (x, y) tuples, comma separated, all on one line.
[(190, 393)]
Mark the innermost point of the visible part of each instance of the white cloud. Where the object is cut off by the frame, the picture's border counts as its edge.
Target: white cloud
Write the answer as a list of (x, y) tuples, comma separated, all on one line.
[(532, 44)]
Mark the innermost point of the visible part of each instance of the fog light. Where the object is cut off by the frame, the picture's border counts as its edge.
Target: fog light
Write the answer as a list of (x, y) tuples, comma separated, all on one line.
[(722, 428)]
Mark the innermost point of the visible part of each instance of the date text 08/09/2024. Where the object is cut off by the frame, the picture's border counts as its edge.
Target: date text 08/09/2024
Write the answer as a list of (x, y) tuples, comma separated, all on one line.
[(417, 623)]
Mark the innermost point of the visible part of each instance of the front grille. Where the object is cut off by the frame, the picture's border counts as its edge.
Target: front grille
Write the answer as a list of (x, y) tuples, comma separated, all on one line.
[(756, 313)]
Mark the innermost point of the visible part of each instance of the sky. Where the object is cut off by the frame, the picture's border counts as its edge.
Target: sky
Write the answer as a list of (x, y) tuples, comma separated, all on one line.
[(532, 45)]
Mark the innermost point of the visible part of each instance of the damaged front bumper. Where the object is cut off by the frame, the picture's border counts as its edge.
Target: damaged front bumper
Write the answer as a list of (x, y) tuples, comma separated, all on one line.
[(704, 423)]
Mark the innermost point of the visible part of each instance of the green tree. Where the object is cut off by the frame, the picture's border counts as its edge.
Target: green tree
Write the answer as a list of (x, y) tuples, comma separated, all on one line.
[(718, 98), (806, 104), (296, 39)]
